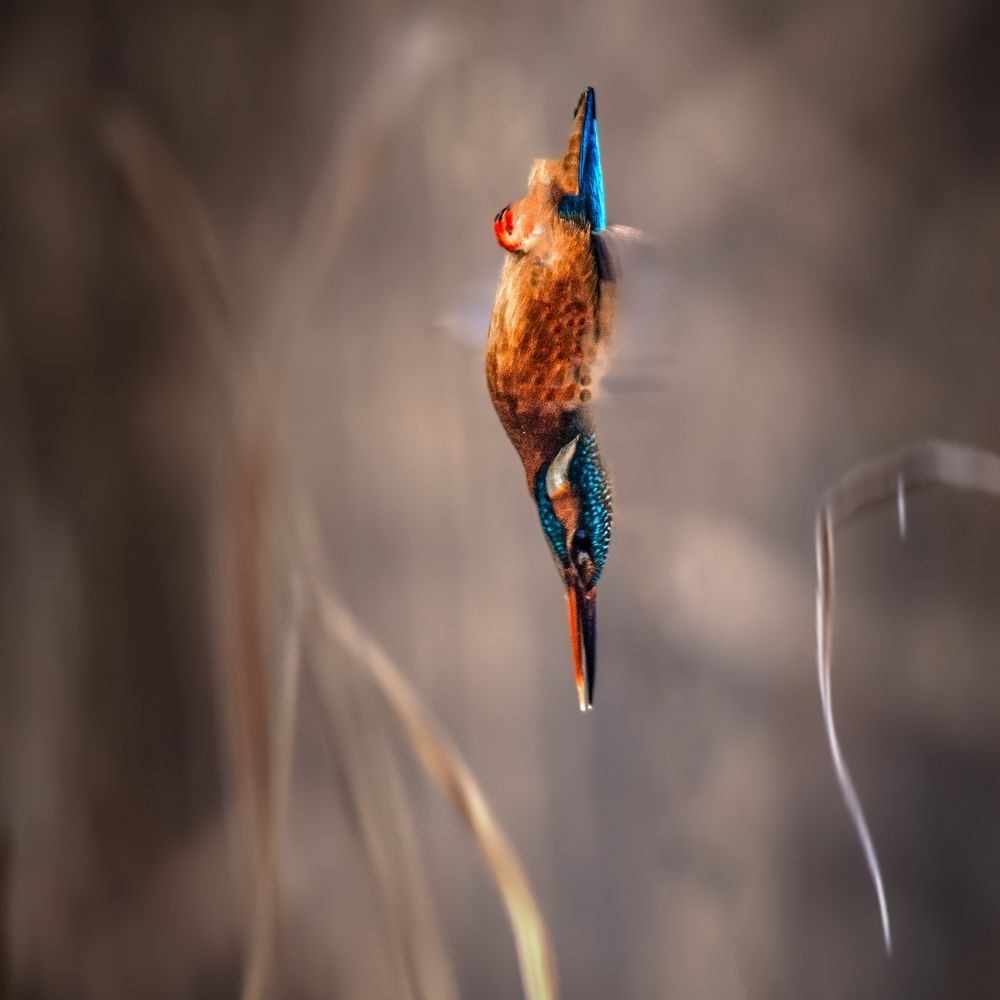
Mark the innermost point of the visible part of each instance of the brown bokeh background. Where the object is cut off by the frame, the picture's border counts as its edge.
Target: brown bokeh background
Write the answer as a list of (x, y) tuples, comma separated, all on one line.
[(819, 183)]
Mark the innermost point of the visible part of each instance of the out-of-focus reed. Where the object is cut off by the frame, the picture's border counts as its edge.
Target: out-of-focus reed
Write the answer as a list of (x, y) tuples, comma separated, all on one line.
[(272, 530)]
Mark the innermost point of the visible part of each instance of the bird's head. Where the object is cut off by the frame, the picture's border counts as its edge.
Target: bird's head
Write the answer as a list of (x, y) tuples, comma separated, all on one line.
[(570, 190), (573, 496)]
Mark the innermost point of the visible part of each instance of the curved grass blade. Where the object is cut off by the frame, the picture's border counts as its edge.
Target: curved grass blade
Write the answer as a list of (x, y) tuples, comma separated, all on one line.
[(877, 482)]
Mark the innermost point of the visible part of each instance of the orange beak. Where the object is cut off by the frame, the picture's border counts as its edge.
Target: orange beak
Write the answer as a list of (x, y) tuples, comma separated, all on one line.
[(583, 636)]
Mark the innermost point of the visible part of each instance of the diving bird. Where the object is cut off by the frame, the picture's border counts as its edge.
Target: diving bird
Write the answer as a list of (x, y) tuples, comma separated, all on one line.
[(546, 349)]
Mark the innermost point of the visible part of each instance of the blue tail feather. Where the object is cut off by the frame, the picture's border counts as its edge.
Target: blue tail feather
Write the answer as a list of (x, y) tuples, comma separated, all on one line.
[(588, 205)]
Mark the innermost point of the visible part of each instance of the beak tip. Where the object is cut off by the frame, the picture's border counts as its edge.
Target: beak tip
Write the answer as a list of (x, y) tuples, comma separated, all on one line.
[(582, 629)]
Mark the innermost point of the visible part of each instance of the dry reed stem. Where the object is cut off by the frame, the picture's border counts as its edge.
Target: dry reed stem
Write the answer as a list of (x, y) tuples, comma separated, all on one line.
[(874, 483), (147, 167), (164, 200), (181, 231), (283, 748), (347, 177), (446, 767), (6, 852), (167, 204), (379, 809)]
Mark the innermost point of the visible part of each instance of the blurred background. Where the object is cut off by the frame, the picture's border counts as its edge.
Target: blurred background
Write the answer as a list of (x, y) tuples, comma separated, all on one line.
[(248, 245)]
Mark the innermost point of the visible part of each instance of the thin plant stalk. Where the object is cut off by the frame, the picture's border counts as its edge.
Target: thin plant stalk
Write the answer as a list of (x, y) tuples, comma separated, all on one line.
[(875, 483)]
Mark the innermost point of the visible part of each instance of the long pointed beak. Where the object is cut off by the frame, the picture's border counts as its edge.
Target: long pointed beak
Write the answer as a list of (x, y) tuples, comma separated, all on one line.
[(583, 635)]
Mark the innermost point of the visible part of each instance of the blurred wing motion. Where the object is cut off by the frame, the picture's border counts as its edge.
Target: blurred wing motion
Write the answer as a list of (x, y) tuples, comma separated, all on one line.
[(465, 319), (546, 349)]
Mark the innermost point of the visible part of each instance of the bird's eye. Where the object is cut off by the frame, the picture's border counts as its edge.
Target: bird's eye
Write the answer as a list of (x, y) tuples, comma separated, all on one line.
[(580, 547), (582, 557)]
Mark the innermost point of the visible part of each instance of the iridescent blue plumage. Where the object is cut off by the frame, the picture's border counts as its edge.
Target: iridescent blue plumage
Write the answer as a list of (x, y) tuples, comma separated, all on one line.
[(555, 533), (587, 472), (589, 482), (587, 206)]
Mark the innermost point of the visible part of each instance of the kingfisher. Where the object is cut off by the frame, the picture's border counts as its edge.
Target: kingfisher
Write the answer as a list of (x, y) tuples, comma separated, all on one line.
[(546, 350)]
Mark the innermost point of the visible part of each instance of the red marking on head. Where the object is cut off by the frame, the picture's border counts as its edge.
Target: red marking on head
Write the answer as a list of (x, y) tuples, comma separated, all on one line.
[(503, 226)]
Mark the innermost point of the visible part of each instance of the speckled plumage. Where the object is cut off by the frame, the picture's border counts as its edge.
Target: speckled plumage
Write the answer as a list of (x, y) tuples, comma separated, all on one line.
[(546, 345), (546, 351)]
